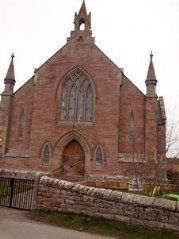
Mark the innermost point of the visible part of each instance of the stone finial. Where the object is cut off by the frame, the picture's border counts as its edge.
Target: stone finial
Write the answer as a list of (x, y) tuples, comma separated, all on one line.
[(151, 55)]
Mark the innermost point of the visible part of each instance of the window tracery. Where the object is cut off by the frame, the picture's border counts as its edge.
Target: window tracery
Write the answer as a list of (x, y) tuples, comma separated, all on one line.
[(76, 103)]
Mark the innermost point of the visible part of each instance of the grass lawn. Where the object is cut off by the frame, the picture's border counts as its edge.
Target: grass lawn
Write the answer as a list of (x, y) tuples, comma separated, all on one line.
[(99, 225), (4, 190)]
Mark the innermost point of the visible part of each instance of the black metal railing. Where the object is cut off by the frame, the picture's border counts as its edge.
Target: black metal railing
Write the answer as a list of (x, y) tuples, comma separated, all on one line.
[(16, 193)]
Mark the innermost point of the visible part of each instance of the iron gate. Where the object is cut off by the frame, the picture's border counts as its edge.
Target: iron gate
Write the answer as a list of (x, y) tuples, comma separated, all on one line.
[(16, 193)]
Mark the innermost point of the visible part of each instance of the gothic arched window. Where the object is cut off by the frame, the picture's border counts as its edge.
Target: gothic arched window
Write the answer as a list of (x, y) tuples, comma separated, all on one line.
[(131, 127), (98, 157), (76, 102), (21, 124), (46, 154)]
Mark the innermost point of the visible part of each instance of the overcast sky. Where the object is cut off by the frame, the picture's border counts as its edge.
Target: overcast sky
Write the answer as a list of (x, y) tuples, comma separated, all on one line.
[(125, 30)]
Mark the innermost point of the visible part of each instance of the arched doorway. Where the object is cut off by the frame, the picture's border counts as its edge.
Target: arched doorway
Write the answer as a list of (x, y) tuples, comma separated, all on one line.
[(73, 160)]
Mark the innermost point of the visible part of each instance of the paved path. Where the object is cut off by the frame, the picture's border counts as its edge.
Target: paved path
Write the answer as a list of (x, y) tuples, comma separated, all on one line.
[(14, 225)]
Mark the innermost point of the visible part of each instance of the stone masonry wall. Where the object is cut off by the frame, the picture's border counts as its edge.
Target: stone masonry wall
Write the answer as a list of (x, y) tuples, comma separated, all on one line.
[(21, 174), (135, 209)]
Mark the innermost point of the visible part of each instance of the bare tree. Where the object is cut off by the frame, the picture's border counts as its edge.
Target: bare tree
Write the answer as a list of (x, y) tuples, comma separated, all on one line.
[(172, 139), (171, 151), (155, 172)]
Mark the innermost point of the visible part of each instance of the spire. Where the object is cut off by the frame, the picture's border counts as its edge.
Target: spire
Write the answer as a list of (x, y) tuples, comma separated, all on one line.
[(83, 9), (151, 71), (9, 80), (151, 80), (10, 73)]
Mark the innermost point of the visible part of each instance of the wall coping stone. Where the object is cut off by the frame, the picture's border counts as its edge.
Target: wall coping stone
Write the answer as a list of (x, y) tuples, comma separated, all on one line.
[(110, 195), (165, 204), (21, 174), (60, 195)]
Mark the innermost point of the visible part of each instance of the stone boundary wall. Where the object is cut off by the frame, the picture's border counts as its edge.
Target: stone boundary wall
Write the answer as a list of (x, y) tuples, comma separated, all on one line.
[(21, 174), (135, 209)]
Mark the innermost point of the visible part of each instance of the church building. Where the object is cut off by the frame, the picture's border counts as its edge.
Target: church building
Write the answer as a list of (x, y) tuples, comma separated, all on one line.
[(80, 117)]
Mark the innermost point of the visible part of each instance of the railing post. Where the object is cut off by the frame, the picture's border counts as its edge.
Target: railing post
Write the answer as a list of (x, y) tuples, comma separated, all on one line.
[(11, 192)]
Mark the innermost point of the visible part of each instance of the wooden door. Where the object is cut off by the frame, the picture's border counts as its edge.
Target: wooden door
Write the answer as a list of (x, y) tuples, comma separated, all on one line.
[(73, 159)]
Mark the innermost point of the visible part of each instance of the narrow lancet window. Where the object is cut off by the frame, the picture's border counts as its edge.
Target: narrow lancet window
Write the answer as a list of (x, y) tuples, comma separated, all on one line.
[(98, 157), (63, 104), (89, 104), (72, 104), (46, 154), (131, 127), (80, 104), (21, 124)]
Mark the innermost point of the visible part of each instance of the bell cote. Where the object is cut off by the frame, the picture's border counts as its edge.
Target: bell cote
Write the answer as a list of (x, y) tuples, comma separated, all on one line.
[(82, 26)]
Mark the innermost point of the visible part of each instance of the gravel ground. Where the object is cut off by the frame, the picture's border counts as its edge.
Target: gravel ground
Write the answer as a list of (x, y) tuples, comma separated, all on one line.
[(15, 225), (12, 214)]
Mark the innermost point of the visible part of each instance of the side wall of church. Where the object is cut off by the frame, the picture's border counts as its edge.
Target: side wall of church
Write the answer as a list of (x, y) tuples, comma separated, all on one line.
[(17, 151), (132, 101)]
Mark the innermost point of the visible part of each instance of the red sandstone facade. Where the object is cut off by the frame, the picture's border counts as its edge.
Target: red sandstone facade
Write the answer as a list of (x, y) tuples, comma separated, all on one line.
[(101, 125)]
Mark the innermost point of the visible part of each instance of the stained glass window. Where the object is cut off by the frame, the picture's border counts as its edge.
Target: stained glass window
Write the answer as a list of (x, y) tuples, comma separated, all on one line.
[(80, 104), (76, 100), (46, 154), (63, 104), (89, 104), (72, 101), (98, 157), (21, 124)]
